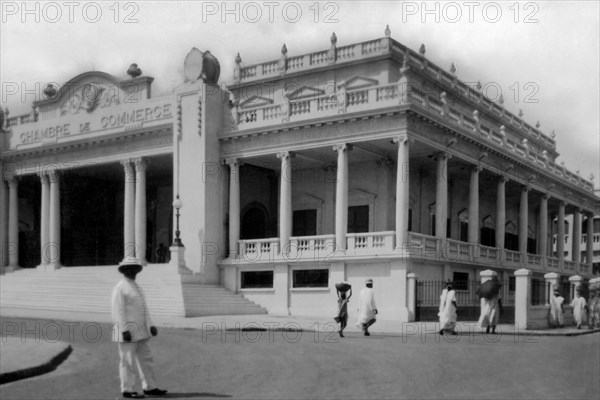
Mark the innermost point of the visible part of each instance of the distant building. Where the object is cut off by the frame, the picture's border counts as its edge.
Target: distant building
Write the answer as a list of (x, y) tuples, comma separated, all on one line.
[(358, 161)]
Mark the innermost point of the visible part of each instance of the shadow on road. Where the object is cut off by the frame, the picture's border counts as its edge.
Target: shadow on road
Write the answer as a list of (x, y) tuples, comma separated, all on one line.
[(175, 395)]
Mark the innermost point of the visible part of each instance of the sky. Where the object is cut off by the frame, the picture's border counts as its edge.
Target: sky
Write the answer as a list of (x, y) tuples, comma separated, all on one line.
[(544, 57)]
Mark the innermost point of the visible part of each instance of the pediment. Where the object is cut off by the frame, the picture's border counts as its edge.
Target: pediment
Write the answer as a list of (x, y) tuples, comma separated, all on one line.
[(360, 195), (85, 93), (358, 82), (305, 200), (304, 92), (255, 101)]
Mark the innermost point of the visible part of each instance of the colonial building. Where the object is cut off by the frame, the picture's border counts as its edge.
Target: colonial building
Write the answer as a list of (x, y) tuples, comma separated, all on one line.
[(358, 161)]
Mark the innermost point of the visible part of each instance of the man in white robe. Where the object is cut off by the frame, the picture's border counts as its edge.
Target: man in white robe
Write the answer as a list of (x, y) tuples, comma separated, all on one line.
[(366, 307), (132, 330)]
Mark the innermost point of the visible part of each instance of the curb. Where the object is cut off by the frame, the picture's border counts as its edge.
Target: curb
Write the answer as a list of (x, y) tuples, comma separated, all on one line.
[(38, 370)]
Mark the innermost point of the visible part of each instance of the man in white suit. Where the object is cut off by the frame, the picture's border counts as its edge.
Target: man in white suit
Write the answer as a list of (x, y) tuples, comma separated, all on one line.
[(131, 330), (367, 307)]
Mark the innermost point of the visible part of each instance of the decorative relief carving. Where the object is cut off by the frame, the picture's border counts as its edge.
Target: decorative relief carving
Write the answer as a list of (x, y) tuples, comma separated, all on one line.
[(89, 97)]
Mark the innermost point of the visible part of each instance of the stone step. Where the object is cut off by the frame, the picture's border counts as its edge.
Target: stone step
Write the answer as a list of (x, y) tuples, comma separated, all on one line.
[(89, 290)]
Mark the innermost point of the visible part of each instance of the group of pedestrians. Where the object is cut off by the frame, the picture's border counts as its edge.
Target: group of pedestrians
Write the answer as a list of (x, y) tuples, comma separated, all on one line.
[(584, 311), (367, 307)]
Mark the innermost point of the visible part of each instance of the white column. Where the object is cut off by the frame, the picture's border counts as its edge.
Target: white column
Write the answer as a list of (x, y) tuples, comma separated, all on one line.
[(560, 236), (412, 295), (285, 202), (129, 210), (402, 190), (441, 196), (473, 235), (13, 223), (522, 297), (500, 212), (523, 219), (54, 219), (341, 197), (234, 205), (589, 250), (576, 238), (140, 210), (3, 223), (543, 239), (44, 219)]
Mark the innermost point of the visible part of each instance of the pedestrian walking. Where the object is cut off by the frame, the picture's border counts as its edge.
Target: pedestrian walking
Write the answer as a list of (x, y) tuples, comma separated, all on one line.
[(132, 330), (367, 307), (490, 313), (448, 310), (594, 307), (579, 308), (344, 292), (490, 304), (556, 309)]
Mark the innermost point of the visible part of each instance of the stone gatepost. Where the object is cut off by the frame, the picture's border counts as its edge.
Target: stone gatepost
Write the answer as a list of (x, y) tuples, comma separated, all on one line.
[(281, 287), (575, 280), (411, 301), (522, 288), (552, 279), (487, 275)]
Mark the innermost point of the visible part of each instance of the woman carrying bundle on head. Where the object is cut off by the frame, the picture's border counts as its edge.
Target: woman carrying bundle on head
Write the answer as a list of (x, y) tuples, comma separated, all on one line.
[(344, 292), (489, 294)]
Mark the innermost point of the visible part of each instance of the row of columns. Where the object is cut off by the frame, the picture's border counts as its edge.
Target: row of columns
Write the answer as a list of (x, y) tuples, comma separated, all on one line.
[(134, 213), (402, 204), (341, 205), (50, 223)]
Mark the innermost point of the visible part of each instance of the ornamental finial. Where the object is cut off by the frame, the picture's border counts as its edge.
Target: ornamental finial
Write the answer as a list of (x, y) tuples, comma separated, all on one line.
[(537, 124), (422, 50), (238, 59), (134, 71), (333, 38), (387, 31), (284, 49), (453, 68)]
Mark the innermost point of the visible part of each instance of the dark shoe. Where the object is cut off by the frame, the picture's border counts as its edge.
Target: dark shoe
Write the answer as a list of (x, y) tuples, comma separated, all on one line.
[(133, 395), (454, 333), (441, 332), (367, 333), (341, 334), (155, 392)]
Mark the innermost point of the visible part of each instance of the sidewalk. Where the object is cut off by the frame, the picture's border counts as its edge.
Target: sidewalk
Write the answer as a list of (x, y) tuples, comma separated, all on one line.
[(23, 359)]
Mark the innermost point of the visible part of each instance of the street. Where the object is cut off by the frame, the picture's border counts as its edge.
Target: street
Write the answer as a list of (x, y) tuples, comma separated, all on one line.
[(314, 365)]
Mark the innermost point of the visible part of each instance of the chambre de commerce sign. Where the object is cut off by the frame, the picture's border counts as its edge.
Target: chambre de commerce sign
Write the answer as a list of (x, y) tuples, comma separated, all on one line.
[(124, 117)]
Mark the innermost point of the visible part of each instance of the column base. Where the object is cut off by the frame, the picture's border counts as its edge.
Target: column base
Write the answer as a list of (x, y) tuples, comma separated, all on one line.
[(49, 267), (12, 268)]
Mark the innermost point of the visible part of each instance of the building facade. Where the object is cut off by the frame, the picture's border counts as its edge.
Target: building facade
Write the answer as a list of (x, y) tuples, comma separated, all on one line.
[(358, 161)]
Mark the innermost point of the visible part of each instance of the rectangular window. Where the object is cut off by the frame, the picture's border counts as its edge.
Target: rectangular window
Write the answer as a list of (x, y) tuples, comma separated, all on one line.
[(464, 231), (257, 279), (460, 280), (358, 219), (304, 223), (311, 278), (512, 282)]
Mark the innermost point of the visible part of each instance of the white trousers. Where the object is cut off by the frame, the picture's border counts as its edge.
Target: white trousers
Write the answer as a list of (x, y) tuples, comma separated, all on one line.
[(140, 354)]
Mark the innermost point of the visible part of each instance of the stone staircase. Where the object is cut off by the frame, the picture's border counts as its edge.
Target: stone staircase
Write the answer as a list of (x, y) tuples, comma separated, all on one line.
[(88, 290)]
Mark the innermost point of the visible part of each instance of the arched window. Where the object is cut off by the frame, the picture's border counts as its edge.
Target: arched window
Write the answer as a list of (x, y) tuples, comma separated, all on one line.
[(488, 231), (254, 222)]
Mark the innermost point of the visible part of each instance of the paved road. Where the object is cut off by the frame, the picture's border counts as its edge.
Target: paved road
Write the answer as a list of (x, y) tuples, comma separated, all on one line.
[(307, 365)]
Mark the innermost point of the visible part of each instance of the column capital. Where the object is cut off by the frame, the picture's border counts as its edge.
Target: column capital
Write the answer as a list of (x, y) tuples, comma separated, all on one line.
[(342, 147), (141, 164), (232, 162), (285, 155), (403, 139), (43, 177), (551, 275), (502, 178), (442, 155), (525, 188), (11, 179), (475, 168), (546, 196), (54, 175)]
